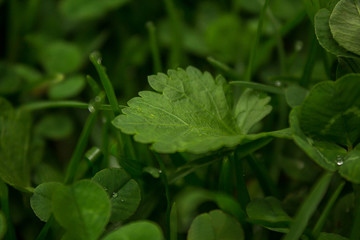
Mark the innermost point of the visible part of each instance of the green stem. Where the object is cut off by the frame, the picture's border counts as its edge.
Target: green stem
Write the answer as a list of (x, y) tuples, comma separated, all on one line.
[(309, 66), (61, 104), (308, 208), (13, 30), (248, 74), (45, 230), (80, 148), (325, 213), (173, 222), (241, 188), (355, 231), (4, 203), (225, 178), (154, 47), (259, 86), (95, 58), (266, 183), (223, 67), (177, 40), (163, 176)]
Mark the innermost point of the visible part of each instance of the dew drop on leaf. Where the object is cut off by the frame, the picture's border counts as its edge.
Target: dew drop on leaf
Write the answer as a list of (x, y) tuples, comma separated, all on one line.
[(339, 160), (278, 83), (91, 108), (114, 195)]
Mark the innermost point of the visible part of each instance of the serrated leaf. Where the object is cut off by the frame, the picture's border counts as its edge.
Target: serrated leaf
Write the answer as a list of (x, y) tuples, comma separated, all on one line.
[(331, 111), (345, 24), (215, 225), (190, 112), (140, 230), (324, 35), (123, 191), (41, 200), (82, 209), (14, 146)]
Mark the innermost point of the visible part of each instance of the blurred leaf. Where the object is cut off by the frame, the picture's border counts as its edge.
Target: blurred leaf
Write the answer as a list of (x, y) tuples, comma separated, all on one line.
[(68, 88), (44, 172), (55, 126), (331, 236), (41, 200), (268, 212), (324, 35), (61, 57), (14, 146), (173, 222), (331, 111), (215, 225), (342, 218), (82, 209), (350, 168), (345, 24), (10, 82), (2, 225), (123, 191), (191, 113), (80, 10), (140, 230), (295, 95)]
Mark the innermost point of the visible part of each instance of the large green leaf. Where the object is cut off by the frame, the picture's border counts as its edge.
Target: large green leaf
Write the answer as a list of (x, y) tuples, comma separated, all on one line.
[(345, 24), (83, 209), (324, 35), (215, 225), (331, 111), (141, 230), (41, 200), (190, 112), (14, 146), (123, 191), (350, 168), (79, 10)]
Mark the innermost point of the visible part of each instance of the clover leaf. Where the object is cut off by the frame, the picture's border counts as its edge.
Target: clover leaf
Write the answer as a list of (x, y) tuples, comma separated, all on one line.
[(190, 112)]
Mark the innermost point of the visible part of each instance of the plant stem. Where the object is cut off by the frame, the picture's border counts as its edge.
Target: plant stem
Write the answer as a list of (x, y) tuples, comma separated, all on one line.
[(355, 231), (4, 203), (13, 30), (80, 148), (248, 74), (40, 105), (241, 189), (163, 176), (308, 207), (173, 222), (266, 183), (223, 67), (45, 230), (95, 58), (259, 86), (309, 66), (154, 47), (325, 213), (225, 176)]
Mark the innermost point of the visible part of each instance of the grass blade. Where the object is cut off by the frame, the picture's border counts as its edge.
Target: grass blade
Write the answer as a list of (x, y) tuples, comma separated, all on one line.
[(259, 86), (154, 47), (308, 208)]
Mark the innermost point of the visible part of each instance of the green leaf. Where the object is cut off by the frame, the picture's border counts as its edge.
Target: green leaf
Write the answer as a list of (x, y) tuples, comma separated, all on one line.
[(323, 153), (14, 146), (2, 225), (190, 112), (345, 24), (295, 95), (68, 88), (55, 126), (140, 230), (331, 111), (41, 200), (82, 209), (123, 191), (268, 212), (331, 236), (80, 10), (350, 168), (324, 35), (215, 225), (61, 57)]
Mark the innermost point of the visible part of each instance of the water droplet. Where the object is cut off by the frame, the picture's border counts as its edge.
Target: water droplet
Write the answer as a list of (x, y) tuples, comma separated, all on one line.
[(278, 83), (160, 171), (99, 60), (97, 99), (122, 200), (91, 108), (105, 189), (115, 195), (300, 164), (339, 160)]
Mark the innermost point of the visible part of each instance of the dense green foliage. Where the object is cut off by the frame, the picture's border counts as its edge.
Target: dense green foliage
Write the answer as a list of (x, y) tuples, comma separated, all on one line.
[(197, 120)]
